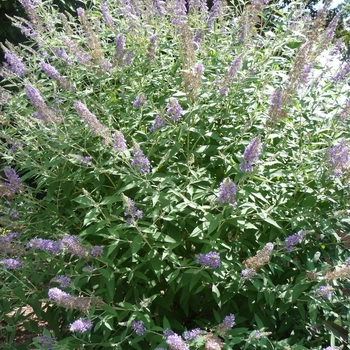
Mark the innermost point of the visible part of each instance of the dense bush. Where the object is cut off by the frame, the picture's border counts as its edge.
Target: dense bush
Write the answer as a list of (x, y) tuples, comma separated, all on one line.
[(175, 180)]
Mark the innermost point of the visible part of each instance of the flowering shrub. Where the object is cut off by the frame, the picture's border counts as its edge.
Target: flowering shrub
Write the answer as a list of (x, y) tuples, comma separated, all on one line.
[(182, 173)]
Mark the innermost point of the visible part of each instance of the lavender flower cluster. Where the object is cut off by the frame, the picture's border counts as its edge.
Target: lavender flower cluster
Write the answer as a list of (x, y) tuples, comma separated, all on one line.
[(140, 162), (226, 324), (55, 75), (325, 292), (338, 158), (14, 184), (158, 123), (63, 281), (227, 192), (119, 142), (11, 263), (175, 341), (47, 245), (14, 64), (174, 110), (248, 273), (138, 327), (231, 74), (211, 259), (92, 122), (81, 325), (251, 154), (42, 110), (295, 239), (46, 342), (131, 210), (69, 243)]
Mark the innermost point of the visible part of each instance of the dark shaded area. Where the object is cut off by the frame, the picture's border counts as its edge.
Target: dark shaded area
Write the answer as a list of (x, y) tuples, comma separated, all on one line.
[(10, 8)]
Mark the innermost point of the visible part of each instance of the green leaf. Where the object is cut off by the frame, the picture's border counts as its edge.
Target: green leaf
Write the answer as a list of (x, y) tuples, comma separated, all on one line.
[(216, 294), (337, 330), (84, 201), (136, 244)]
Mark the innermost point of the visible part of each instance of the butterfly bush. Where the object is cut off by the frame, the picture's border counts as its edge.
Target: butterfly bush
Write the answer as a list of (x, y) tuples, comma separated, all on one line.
[(174, 177)]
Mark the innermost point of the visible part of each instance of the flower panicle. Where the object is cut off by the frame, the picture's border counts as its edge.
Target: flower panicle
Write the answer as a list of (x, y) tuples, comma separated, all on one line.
[(72, 245), (11, 263), (47, 245), (140, 162), (227, 192), (226, 325), (138, 327), (338, 158), (14, 64), (62, 280), (119, 142), (13, 184), (81, 325), (130, 210), (42, 110), (231, 74), (106, 15), (251, 154), (261, 258), (92, 122), (325, 292), (55, 75), (61, 298), (294, 239), (211, 259)]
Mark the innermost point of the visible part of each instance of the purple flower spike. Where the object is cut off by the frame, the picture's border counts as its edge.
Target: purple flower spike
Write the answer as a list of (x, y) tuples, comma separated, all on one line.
[(46, 342), (62, 280), (140, 161), (175, 342), (58, 295), (193, 334), (174, 110), (119, 48), (140, 100), (295, 239), (72, 245), (14, 184), (168, 332), (138, 327), (231, 74), (12, 264), (226, 324), (96, 251), (276, 105), (158, 123), (131, 210), (248, 274), (106, 15), (38, 102), (14, 64), (227, 192), (46, 245), (251, 155), (215, 12), (325, 292), (80, 326), (212, 259), (338, 158), (119, 142), (229, 321)]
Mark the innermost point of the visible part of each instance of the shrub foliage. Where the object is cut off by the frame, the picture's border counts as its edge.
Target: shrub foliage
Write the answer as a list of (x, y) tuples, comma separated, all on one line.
[(175, 177)]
